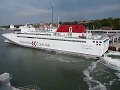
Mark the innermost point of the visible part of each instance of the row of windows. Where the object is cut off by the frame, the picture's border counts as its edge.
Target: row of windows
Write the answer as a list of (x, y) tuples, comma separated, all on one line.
[(97, 42), (35, 34), (103, 32), (54, 39)]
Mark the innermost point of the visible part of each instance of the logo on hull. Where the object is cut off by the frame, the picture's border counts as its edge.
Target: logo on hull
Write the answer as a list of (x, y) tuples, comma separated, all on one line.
[(34, 43)]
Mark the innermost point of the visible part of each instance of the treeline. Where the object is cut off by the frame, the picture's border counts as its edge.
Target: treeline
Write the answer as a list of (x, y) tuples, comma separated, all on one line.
[(108, 23), (113, 23), (7, 26)]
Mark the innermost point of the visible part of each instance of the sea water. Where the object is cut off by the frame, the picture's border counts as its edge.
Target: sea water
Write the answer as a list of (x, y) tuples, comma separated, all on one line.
[(57, 71)]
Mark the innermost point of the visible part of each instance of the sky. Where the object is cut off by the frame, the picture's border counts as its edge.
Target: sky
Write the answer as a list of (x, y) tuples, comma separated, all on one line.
[(35, 11)]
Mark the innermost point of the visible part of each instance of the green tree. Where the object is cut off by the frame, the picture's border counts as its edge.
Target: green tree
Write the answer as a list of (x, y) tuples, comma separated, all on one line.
[(116, 23), (97, 24), (105, 22), (110, 21)]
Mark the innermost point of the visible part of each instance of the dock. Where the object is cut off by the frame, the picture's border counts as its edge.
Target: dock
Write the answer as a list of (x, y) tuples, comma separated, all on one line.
[(115, 43), (115, 46)]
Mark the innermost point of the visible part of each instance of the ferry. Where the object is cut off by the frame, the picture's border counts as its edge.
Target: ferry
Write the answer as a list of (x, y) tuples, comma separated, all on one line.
[(67, 38)]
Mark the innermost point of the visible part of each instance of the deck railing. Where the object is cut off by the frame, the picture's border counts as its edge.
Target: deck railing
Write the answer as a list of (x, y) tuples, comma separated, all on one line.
[(31, 87)]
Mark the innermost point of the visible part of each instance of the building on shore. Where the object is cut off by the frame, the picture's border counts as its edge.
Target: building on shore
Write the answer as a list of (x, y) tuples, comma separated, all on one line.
[(12, 26)]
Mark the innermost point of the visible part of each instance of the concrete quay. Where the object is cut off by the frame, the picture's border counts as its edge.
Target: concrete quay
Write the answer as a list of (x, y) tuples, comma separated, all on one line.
[(115, 46)]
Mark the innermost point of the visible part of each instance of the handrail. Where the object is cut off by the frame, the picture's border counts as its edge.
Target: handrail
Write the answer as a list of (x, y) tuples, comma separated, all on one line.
[(31, 87)]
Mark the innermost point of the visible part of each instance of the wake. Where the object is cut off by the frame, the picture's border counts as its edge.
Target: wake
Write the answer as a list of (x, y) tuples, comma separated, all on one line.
[(93, 84), (113, 63)]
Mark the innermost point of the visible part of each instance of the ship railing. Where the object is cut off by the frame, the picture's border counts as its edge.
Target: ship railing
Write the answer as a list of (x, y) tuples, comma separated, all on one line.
[(31, 87)]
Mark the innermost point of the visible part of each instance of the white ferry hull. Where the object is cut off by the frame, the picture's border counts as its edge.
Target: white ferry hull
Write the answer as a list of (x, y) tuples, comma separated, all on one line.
[(84, 47)]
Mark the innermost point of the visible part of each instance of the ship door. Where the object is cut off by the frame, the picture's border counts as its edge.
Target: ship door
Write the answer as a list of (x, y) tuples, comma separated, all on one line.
[(70, 32)]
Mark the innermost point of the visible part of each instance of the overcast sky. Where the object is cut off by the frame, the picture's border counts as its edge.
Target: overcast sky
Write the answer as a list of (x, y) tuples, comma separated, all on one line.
[(34, 11)]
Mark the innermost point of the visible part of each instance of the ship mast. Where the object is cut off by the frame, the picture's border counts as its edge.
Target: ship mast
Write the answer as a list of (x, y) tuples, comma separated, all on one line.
[(52, 13), (58, 22)]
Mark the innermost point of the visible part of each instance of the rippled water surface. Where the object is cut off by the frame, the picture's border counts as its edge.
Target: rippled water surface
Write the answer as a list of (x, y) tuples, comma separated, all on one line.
[(56, 71)]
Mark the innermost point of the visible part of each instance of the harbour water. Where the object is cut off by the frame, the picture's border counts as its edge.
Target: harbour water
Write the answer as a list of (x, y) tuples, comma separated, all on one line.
[(56, 71)]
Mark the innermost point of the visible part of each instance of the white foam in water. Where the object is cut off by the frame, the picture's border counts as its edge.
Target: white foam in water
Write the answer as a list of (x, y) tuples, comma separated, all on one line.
[(109, 62), (118, 74), (93, 84), (62, 60), (113, 63)]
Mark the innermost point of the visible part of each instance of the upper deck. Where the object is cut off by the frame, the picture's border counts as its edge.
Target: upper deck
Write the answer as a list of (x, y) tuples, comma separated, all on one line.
[(76, 32)]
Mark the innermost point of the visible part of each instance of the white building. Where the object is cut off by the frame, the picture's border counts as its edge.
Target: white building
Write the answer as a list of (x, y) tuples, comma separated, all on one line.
[(12, 26)]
